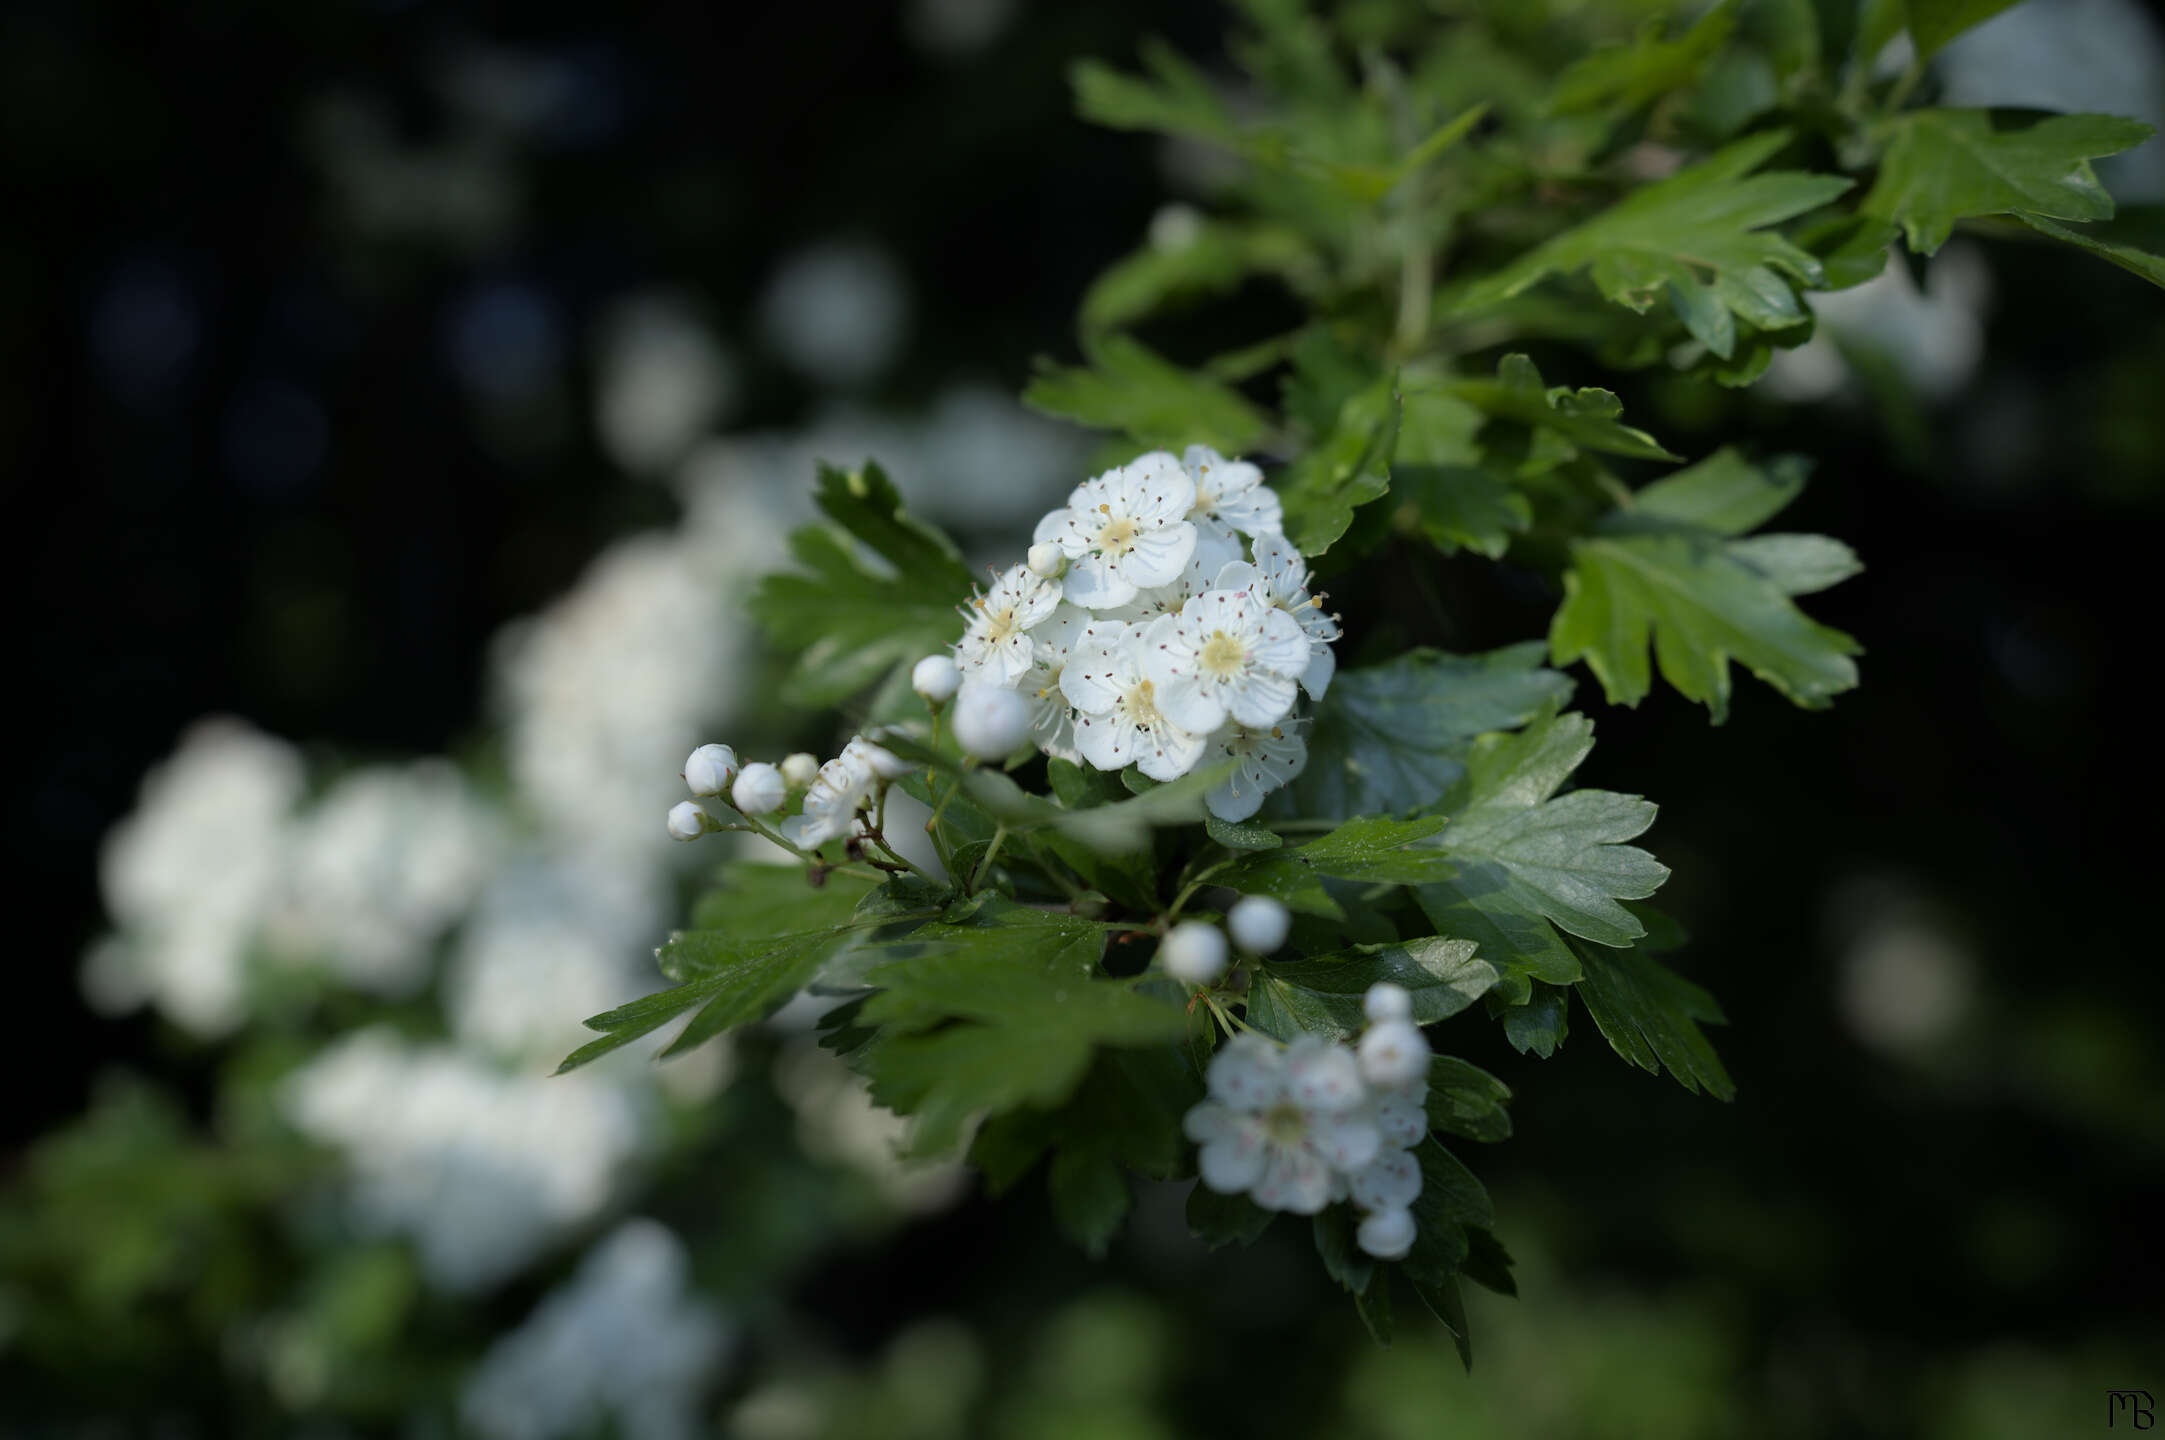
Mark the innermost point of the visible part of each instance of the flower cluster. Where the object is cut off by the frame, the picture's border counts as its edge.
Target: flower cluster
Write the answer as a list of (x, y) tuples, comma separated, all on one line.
[(1301, 1126), (834, 793), (1162, 618)]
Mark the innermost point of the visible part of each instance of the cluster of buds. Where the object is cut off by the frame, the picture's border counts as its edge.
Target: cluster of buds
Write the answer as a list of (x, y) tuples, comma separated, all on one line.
[(834, 793)]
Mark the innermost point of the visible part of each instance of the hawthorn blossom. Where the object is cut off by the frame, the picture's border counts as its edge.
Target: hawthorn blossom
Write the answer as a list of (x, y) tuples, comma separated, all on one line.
[(1230, 496), (1264, 759), (1283, 575), (1215, 565), (997, 646), (1052, 715), (1120, 722), (1125, 531), (1226, 654), (841, 789), (1282, 1127)]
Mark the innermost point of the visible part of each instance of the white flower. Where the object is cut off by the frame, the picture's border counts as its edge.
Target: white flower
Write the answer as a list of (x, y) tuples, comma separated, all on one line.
[(936, 677), (841, 789), (1394, 1052), (1124, 531), (760, 789), (1227, 654), (1390, 1181), (1401, 1122), (1120, 721), (1387, 1234), (883, 763), (990, 721), (1263, 760), (687, 821), (710, 769), (1193, 952), (1283, 576), (1216, 565), (800, 769), (996, 647), (1282, 1127), (1259, 923), (1385, 1001), (1230, 495), (1052, 718)]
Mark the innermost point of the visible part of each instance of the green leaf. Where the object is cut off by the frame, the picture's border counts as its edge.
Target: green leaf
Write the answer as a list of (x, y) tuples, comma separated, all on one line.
[(1394, 737), (1571, 420), (1941, 166), (1219, 1220), (1724, 493), (1541, 1023), (1241, 836), (1443, 1300), (850, 620), (2136, 262), (1626, 77), (755, 900), (1450, 1201), (1127, 388), (1348, 468), (1487, 1262), (1373, 1305), (1463, 507), (1526, 863), (1177, 100), (1343, 1258), (1323, 993), (1466, 1100), (1214, 260), (1698, 239), (1651, 1016), (1367, 848), (1932, 23), (1002, 1011), (1797, 564)]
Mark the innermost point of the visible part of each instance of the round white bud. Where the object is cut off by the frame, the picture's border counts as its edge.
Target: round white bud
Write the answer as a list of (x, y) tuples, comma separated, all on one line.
[(936, 678), (800, 769), (884, 762), (989, 721), (1259, 924), (1385, 1001), (1193, 952), (710, 769), (687, 821), (1046, 561), (760, 790), (1393, 1052), (1387, 1234)]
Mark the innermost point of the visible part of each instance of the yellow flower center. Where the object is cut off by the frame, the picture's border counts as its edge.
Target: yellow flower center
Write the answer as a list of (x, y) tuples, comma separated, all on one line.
[(1117, 537), (1223, 656), (1285, 1124), (1141, 705)]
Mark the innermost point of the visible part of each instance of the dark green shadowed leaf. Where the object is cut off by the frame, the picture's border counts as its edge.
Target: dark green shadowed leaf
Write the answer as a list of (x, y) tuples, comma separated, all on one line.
[(1564, 421), (1126, 387), (1932, 23), (1346, 468), (1541, 1023), (1464, 1099), (1218, 1220), (2136, 262), (1651, 1016), (1394, 737), (1323, 993)]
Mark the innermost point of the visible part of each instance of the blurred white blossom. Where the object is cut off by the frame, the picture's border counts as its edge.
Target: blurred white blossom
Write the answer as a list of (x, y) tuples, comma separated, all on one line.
[(189, 876), (480, 1169), (625, 1348), (1935, 337), (836, 312), (664, 380)]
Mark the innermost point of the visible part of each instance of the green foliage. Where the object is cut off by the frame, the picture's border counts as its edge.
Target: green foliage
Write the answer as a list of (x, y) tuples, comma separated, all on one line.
[(849, 623), (1942, 166), (1145, 397), (1700, 239), (1932, 23), (1665, 568)]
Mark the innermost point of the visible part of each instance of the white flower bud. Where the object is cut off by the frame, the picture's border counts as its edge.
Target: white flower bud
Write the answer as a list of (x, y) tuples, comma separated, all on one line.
[(882, 762), (1387, 1234), (1047, 561), (1193, 952), (1393, 1052), (687, 821), (1386, 1001), (1259, 924), (710, 769), (800, 769), (936, 678), (989, 721), (760, 790)]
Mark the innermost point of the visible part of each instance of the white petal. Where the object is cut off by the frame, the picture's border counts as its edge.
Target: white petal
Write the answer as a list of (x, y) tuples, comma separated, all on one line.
[(1402, 1123), (1155, 490), (1247, 1073), (1050, 529), (1392, 1179), (1230, 1166), (1235, 798), (1208, 1121), (1168, 754), (1107, 743), (1093, 584), (1322, 664), (1294, 1179), (1387, 1234), (1323, 1076), (1349, 1142), (1158, 556), (1284, 647), (1092, 678), (1262, 699), (1188, 703), (1215, 547)]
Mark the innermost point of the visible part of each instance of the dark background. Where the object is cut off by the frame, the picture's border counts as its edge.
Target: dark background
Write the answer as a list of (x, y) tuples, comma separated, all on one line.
[(257, 466)]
